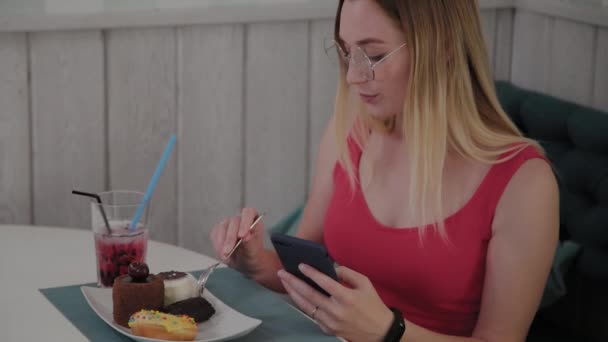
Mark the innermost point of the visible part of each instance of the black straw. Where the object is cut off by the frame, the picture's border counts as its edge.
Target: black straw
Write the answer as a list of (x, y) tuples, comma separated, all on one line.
[(103, 212)]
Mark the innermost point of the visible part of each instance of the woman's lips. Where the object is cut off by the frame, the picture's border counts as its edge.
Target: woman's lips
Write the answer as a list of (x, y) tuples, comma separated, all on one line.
[(368, 98)]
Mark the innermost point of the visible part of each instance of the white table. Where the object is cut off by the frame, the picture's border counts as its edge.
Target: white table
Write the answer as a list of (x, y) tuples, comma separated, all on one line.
[(39, 257)]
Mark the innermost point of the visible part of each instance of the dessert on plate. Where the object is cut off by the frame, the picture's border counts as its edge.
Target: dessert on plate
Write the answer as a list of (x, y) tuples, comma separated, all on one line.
[(181, 296), (196, 307), (155, 324), (178, 286), (135, 291), (144, 303)]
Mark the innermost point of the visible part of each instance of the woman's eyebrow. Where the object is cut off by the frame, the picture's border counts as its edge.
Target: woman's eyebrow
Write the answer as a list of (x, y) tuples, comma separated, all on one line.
[(364, 41)]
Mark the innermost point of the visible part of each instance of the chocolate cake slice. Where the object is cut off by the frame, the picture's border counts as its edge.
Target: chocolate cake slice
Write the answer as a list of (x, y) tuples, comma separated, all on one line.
[(197, 307), (136, 291)]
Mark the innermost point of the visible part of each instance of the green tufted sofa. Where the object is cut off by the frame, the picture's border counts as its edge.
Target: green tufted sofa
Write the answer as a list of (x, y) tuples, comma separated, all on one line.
[(575, 302), (575, 139)]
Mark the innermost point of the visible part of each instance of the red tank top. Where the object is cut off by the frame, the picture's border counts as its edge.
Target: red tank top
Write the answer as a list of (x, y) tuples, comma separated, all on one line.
[(436, 285)]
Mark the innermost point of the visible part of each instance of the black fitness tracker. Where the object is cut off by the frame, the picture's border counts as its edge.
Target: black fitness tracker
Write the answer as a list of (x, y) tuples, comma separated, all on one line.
[(397, 329)]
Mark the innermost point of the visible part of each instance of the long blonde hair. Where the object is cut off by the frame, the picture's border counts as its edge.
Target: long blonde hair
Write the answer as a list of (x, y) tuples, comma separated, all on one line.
[(451, 101)]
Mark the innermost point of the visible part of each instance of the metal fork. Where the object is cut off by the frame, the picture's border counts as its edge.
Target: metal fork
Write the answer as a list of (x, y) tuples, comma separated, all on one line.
[(202, 279)]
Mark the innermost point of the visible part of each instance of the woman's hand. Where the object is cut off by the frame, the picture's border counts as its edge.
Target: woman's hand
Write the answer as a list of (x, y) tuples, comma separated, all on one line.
[(225, 234), (355, 313)]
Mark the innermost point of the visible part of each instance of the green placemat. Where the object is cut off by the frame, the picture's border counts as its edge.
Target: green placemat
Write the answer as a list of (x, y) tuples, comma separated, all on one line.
[(280, 321)]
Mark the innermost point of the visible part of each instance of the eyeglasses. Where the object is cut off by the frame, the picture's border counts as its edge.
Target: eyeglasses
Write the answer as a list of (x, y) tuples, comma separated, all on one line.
[(358, 60)]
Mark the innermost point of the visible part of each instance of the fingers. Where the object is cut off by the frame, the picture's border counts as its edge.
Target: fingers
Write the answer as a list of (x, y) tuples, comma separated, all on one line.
[(231, 231), (352, 278), (248, 215), (326, 322), (304, 290), (316, 312), (300, 301), (225, 234), (332, 287)]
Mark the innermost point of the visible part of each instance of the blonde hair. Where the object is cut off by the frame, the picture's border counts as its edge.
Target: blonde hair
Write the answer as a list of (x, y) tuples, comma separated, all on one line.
[(451, 102)]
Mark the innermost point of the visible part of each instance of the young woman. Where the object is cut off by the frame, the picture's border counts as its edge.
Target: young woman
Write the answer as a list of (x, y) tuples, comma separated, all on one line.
[(443, 216)]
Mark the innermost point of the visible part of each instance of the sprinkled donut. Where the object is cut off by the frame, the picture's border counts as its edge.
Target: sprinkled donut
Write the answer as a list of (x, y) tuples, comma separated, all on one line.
[(156, 324)]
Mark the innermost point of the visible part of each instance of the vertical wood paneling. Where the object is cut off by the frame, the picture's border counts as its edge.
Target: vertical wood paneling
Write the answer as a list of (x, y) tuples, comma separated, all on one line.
[(323, 83), (571, 76), (600, 88), (15, 191), (503, 48), (276, 117), (488, 21), (68, 124), (531, 50), (249, 105), (211, 130), (142, 115)]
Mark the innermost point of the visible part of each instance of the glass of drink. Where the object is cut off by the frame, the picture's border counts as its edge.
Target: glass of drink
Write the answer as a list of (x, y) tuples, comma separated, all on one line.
[(116, 246)]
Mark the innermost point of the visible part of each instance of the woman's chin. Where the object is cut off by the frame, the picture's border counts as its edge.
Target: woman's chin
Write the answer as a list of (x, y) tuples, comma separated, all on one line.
[(377, 113)]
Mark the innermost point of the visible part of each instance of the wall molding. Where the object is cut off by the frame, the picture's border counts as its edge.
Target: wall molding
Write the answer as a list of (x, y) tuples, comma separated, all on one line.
[(28, 16)]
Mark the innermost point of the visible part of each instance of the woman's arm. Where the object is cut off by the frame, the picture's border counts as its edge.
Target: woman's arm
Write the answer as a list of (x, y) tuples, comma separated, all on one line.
[(520, 254)]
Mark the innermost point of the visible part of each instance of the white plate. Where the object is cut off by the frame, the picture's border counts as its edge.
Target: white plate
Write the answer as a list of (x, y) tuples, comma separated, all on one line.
[(225, 324)]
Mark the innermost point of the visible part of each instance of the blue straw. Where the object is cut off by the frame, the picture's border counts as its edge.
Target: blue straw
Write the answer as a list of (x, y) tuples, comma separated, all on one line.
[(153, 181)]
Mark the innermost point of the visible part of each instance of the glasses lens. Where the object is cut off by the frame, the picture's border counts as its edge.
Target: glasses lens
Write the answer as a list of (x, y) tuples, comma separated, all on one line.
[(361, 62), (357, 60), (332, 51)]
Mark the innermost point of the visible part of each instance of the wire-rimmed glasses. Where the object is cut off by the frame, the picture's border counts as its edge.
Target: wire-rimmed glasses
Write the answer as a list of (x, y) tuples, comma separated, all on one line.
[(357, 58)]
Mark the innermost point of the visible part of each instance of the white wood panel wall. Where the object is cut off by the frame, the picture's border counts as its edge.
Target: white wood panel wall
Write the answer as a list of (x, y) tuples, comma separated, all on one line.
[(531, 50), (15, 177), (323, 85), (503, 49), (600, 87), (67, 98), (249, 103), (497, 26), (210, 103), (276, 117), (561, 58), (142, 112), (571, 44)]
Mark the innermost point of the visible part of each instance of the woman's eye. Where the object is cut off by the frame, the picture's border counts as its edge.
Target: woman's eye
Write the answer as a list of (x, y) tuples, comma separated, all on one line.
[(376, 58)]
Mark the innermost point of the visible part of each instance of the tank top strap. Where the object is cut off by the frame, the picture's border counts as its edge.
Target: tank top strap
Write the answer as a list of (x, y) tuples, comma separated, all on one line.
[(495, 183)]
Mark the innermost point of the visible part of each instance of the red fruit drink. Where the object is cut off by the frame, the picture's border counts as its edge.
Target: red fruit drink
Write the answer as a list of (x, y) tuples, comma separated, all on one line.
[(117, 250)]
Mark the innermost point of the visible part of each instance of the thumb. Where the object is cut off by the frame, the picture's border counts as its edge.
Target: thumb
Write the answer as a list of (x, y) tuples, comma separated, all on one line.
[(351, 278), (256, 232)]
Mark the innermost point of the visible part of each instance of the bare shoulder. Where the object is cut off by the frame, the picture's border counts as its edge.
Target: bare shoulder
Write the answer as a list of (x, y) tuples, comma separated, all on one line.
[(535, 173), (531, 197), (534, 178)]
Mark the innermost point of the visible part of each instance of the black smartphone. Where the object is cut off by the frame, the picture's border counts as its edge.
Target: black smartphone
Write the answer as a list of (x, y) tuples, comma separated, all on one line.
[(293, 251)]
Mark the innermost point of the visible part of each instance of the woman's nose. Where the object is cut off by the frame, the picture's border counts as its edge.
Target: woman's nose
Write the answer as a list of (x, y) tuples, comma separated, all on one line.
[(354, 76)]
